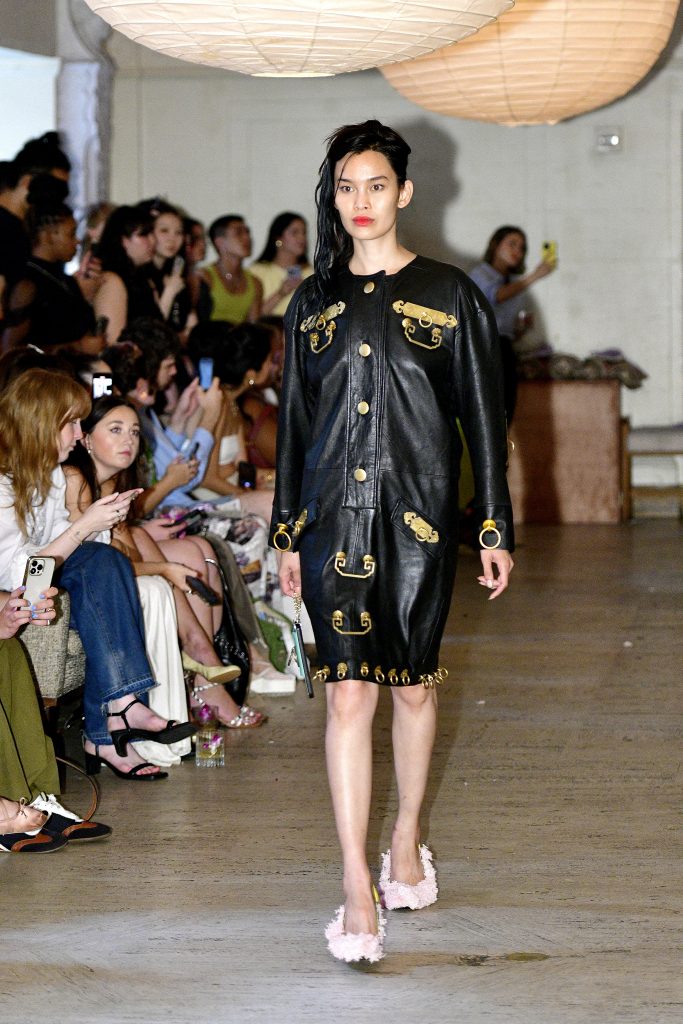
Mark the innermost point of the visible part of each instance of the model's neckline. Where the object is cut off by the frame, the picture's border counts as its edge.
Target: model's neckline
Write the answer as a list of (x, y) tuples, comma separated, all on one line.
[(381, 273)]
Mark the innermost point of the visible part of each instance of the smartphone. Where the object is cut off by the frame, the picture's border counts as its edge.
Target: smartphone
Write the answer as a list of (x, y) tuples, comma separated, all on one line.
[(549, 252), (102, 384), (205, 373), (246, 475), (178, 265), (38, 577), (200, 588)]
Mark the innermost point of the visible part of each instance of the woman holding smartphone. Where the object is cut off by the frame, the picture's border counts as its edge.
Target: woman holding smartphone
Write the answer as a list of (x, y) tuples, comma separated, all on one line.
[(283, 264), (40, 415), (386, 350)]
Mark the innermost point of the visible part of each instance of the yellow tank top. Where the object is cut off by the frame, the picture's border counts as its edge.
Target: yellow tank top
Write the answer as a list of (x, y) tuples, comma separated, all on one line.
[(224, 304)]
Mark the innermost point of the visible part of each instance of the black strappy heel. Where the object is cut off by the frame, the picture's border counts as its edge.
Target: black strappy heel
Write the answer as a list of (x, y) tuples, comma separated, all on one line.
[(93, 763), (172, 733)]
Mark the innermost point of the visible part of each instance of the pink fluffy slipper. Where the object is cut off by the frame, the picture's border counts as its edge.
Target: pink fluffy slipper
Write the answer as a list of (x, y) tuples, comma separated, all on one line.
[(353, 946), (400, 895)]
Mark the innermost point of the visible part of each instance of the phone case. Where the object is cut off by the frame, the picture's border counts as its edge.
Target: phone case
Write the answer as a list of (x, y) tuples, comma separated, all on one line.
[(301, 659), (38, 577), (200, 588)]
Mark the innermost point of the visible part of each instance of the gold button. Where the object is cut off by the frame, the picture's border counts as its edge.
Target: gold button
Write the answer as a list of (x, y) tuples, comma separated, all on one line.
[(360, 475), (369, 287), (363, 408), (365, 350)]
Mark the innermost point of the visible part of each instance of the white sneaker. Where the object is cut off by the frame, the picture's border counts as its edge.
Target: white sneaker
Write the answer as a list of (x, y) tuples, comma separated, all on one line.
[(269, 680)]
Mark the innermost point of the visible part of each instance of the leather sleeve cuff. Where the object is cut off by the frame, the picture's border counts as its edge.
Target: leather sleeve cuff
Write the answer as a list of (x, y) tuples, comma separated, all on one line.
[(286, 527), (494, 527)]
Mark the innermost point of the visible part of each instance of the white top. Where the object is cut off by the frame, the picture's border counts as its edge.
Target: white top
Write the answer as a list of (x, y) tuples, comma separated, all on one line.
[(229, 449), (49, 521)]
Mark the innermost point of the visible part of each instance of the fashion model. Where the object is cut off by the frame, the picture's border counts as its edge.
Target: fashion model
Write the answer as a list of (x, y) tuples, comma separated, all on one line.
[(385, 352)]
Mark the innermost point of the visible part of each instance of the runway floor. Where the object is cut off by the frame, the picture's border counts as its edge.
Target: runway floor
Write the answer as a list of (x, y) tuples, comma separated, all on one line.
[(553, 811)]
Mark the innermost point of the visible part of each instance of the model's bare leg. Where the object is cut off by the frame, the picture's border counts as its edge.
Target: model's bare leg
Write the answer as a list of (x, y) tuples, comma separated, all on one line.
[(351, 706), (413, 731)]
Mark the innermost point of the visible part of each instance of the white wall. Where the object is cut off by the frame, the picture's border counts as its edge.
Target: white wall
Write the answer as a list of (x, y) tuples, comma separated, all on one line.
[(27, 87), (217, 143)]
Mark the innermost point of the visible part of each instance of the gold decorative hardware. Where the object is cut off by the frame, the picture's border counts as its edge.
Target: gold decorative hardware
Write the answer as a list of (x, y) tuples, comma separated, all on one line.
[(299, 524), (425, 316), (360, 475), (364, 669), (369, 287), (322, 322), (280, 536), (338, 622), (430, 679), (363, 408), (422, 530), (393, 676), (342, 669), (368, 565), (364, 350), (489, 526), (322, 674), (379, 675), (405, 677)]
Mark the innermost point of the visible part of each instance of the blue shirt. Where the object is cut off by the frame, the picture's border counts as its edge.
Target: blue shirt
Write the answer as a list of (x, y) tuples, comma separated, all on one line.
[(166, 445), (490, 280)]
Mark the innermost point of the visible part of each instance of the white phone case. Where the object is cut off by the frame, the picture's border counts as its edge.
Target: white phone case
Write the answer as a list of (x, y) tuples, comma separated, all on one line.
[(38, 576)]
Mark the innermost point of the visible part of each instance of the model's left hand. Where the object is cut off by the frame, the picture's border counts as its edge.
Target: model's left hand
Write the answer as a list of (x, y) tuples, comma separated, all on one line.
[(502, 560)]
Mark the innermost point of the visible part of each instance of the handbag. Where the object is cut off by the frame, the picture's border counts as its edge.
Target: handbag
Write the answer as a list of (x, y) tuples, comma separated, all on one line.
[(231, 645)]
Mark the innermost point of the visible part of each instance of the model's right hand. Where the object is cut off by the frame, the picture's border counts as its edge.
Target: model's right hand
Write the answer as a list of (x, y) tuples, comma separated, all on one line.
[(290, 573)]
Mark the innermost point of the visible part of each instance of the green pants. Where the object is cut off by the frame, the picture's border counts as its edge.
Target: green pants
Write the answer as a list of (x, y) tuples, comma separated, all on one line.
[(27, 759)]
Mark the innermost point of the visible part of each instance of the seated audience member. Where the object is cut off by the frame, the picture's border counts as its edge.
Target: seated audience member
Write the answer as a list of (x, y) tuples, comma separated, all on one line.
[(107, 462), (242, 362), (124, 251), (40, 413), (32, 819), (283, 264), (167, 269), (187, 440), (46, 306), (233, 293)]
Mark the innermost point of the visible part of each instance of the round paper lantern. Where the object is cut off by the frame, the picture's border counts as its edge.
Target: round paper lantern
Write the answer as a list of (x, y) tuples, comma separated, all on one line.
[(544, 61), (297, 37)]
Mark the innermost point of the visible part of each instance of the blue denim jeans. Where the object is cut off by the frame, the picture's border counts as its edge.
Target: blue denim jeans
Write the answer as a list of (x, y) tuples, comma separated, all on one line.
[(105, 609)]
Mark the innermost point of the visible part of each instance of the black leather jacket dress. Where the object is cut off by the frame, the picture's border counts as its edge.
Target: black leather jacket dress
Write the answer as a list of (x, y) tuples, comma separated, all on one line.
[(369, 458)]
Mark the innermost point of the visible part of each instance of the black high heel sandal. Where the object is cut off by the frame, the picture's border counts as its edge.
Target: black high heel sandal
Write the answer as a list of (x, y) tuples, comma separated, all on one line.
[(93, 763), (172, 733)]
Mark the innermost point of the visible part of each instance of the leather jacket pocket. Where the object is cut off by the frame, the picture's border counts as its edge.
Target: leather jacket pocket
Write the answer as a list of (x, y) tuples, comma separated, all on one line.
[(421, 530)]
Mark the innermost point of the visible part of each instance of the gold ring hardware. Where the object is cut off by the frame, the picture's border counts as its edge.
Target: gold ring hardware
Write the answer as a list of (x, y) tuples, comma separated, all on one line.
[(426, 318), (342, 669), (379, 675), (338, 622), (422, 530), (282, 531), (364, 669), (489, 526), (393, 676), (368, 565), (322, 322), (405, 677), (322, 673)]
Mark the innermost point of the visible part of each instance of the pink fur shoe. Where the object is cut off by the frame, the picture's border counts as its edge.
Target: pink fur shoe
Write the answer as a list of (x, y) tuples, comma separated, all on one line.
[(400, 895), (353, 946)]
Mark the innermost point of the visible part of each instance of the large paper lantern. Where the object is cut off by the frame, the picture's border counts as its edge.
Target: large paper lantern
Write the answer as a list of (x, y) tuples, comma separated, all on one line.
[(297, 37), (544, 61)]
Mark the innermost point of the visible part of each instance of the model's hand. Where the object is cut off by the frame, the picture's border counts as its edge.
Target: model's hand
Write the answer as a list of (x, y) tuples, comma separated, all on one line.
[(16, 612), (290, 573), (499, 560)]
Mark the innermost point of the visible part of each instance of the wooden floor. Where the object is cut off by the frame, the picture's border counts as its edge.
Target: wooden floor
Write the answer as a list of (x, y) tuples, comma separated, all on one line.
[(554, 812)]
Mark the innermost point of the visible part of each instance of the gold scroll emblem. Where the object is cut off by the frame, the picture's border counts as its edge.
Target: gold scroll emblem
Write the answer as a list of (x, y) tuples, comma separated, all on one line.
[(338, 622), (422, 530), (324, 322)]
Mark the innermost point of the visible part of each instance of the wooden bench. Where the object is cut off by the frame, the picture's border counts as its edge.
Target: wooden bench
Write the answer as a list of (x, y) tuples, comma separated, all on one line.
[(663, 443)]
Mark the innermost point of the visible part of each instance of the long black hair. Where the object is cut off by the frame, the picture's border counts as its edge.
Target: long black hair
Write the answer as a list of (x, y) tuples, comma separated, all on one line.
[(126, 479), (334, 247), (122, 223), (275, 232)]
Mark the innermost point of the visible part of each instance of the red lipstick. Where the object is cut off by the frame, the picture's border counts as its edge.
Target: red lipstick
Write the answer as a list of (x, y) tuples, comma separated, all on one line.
[(363, 222)]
